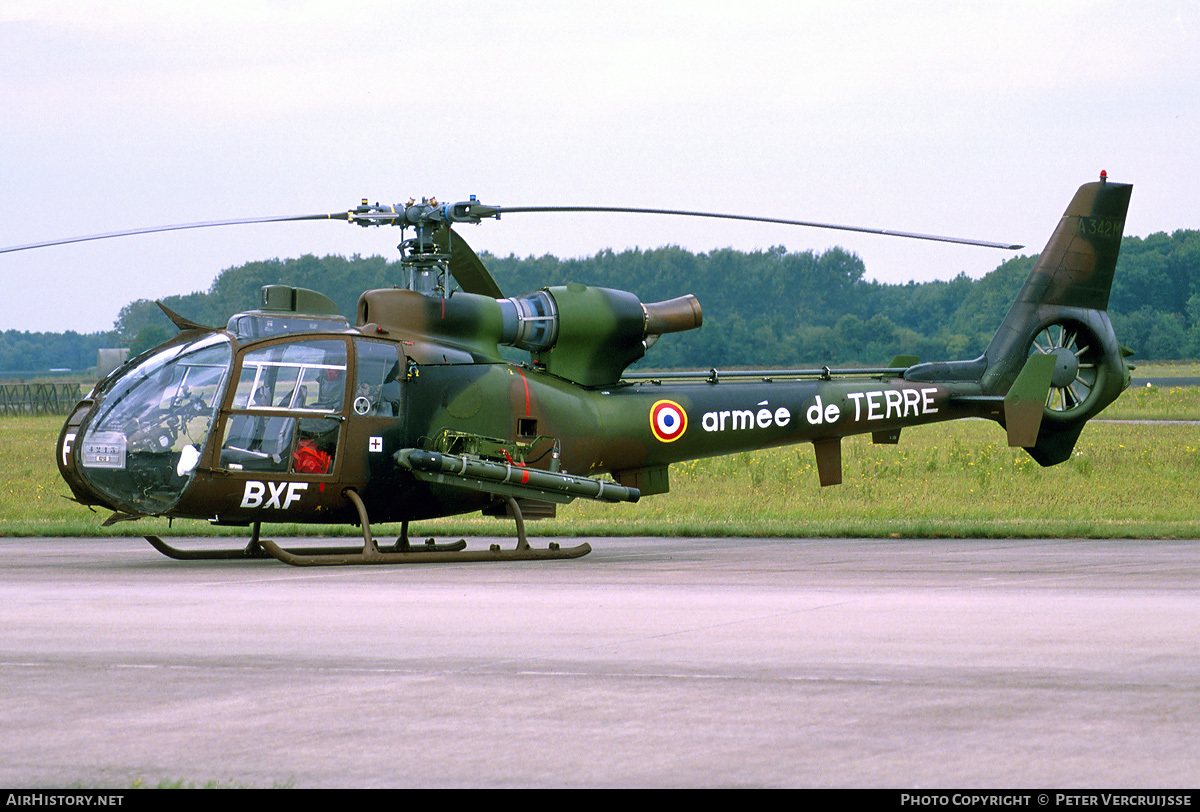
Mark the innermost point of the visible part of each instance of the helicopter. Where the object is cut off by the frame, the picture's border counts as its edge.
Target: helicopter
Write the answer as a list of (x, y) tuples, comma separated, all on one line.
[(290, 413)]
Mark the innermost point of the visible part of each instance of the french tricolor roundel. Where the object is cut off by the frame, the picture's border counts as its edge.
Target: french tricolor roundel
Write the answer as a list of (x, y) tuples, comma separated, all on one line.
[(668, 420)]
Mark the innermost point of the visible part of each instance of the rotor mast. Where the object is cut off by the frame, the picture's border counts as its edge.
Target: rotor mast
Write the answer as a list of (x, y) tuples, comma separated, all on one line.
[(424, 258)]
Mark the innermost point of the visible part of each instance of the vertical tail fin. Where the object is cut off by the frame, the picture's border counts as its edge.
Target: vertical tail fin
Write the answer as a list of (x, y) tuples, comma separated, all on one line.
[(1062, 311)]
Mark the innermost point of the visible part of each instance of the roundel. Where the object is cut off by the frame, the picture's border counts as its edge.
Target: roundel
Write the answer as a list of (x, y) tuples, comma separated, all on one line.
[(668, 420)]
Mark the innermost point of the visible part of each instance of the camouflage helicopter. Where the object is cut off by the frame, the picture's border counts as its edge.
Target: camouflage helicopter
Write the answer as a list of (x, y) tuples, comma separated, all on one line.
[(291, 414)]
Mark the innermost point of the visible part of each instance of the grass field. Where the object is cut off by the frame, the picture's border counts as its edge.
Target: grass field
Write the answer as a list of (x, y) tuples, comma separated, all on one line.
[(957, 479), (1167, 369), (1156, 403)]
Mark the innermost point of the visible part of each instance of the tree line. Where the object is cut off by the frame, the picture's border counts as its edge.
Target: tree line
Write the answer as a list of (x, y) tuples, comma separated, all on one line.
[(762, 308)]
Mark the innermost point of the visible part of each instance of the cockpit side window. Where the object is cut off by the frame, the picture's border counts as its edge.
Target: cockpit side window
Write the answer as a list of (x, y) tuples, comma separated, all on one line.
[(302, 375), (377, 383)]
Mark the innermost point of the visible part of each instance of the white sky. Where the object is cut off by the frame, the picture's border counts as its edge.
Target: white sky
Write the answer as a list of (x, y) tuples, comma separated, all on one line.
[(959, 118)]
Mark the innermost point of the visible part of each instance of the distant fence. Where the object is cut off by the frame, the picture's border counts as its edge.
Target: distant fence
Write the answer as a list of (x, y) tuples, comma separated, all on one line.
[(38, 398)]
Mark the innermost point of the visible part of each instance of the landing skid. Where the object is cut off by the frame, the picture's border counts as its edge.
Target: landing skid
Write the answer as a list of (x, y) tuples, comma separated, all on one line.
[(256, 549), (403, 552)]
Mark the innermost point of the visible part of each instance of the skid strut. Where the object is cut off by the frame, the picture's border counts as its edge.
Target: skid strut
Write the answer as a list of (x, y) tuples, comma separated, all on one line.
[(403, 552)]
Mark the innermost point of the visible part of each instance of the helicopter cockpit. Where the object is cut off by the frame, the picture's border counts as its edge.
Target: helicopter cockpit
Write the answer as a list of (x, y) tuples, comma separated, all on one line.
[(144, 432)]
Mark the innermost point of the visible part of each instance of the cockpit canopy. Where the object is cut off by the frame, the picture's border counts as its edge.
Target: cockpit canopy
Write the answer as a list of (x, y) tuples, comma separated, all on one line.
[(152, 419), (208, 402)]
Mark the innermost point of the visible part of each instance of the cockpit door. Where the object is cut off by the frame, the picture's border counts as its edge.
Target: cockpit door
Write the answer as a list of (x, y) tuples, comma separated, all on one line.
[(287, 409)]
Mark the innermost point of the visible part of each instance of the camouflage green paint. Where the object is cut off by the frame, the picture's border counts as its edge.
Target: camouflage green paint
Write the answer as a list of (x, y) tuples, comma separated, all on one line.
[(600, 334), (571, 400)]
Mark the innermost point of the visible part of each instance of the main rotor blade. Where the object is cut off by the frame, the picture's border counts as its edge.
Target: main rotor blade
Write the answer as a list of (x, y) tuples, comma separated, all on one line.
[(178, 227), (749, 218), (465, 265)]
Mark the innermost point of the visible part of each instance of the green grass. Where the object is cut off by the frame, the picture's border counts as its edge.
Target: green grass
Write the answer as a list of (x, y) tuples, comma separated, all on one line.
[(1166, 369), (1155, 403), (1125, 480), (959, 479)]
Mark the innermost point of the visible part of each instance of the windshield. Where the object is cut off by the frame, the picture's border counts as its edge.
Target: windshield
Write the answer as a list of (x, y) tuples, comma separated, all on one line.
[(152, 423)]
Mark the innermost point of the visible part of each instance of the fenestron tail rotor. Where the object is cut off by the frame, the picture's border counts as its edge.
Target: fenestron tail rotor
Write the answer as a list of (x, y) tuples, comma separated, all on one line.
[(1077, 358)]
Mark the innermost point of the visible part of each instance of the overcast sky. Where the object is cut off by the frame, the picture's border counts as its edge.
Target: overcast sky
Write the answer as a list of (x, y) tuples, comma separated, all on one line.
[(968, 119)]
